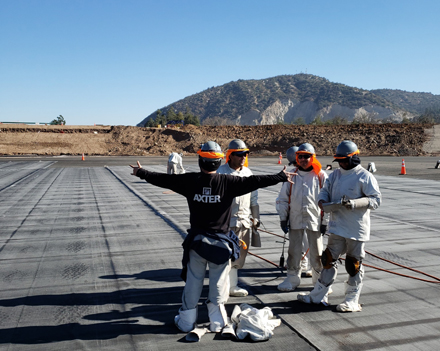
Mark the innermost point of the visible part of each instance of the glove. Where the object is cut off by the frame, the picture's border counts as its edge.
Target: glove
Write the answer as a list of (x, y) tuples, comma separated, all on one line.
[(255, 211), (362, 202), (323, 229), (284, 226)]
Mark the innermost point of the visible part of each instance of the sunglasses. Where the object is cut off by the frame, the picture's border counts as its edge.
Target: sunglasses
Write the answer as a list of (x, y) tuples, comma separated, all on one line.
[(239, 154), (304, 156)]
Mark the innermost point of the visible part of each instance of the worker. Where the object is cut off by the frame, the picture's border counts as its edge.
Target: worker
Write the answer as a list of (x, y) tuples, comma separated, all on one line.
[(306, 270), (245, 211), (209, 242), (174, 160), (300, 215), (349, 194)]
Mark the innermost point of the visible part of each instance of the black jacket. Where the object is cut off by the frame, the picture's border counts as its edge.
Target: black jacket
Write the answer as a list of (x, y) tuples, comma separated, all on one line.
[(210, 196)]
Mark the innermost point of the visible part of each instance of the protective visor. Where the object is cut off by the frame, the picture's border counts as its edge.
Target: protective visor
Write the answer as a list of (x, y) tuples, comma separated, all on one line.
[(336, 157), (210, 154)]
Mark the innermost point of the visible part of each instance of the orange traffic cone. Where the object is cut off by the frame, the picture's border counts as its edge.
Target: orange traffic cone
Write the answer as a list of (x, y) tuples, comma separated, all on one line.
[(280, 158), (82, 158), (403, 169)]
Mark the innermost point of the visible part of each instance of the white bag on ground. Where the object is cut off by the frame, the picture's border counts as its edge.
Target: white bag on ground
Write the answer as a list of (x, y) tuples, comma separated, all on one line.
[(258, 324)]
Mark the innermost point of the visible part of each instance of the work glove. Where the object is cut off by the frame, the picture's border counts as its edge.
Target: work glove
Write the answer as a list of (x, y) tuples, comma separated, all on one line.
[(284, 226), (323, 229), (255, 211), (362, 202)]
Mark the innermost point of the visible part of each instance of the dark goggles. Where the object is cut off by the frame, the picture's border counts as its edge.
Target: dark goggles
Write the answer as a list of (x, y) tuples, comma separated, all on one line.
[(305, 156), (239, 153)]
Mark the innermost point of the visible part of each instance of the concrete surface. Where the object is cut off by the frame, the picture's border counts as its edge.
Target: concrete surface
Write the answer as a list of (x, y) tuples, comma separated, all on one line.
[(90, 260)]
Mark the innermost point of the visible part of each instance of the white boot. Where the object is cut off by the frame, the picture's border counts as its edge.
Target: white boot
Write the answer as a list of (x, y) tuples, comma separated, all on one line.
[(351, 302), (234, 290), (186, 320), (291, 282), (217, 316), (305, 266), (317, 295)]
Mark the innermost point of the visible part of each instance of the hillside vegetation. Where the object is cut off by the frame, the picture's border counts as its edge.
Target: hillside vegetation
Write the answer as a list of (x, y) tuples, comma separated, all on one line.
[(297, 99)]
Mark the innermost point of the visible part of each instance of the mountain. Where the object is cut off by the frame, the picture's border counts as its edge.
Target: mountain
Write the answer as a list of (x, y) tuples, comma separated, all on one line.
[(411, 101), (294, 98)]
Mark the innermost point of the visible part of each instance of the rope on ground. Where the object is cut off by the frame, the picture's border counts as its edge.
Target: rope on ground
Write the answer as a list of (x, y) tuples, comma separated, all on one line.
[(435, 281)]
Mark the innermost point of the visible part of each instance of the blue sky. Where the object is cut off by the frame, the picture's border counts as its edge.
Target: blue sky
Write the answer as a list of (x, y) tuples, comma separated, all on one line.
[(115, 62)]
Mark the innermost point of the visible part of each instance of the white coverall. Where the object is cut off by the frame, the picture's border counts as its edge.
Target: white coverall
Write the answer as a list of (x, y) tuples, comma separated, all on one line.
[(303, 213), (174, 160), (241, 212), (349, 230)]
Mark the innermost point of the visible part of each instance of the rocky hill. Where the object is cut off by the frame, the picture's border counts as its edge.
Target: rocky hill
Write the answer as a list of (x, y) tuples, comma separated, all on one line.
[(411, 101), (372, 139), (290, 98)]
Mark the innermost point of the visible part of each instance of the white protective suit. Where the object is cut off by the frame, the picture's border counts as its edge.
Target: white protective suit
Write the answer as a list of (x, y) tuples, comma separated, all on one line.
[(298, 203), (304, 211), (174, 160), (349, 230), (354, 184)]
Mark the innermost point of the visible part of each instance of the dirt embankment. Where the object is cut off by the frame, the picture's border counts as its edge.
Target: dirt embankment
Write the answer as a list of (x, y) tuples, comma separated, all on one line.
[(372, 139)]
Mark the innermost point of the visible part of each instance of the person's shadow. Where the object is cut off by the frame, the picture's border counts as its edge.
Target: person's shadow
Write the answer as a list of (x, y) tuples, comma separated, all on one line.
[(155, 315)]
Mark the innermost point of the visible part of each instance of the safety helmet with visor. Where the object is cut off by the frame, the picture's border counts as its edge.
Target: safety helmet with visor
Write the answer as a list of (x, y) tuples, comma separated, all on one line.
[(308, 151), (346, 149), (237, 147), (305, 150), (210, 156)]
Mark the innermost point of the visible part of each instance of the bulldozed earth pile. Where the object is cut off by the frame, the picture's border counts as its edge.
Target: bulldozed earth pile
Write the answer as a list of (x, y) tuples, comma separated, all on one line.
[(372, 139)]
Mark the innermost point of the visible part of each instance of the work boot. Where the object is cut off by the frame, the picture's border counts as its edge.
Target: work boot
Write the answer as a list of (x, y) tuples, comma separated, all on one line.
[(351, 301), (291, 282), (318, 295), (234, 289), (315, 277), (217, 316), (186, 320)]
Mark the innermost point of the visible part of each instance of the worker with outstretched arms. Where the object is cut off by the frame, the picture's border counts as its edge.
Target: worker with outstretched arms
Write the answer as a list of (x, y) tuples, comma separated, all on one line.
[(209, 242)]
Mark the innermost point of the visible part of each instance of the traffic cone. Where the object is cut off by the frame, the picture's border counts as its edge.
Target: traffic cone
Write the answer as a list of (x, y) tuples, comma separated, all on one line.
[(280, 158), (82, 158), (403, 169)]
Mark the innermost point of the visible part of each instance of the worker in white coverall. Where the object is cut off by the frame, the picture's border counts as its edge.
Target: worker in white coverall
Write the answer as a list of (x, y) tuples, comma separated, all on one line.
[(348, 195), (174, 160), (305, 262), (297, 206), (210, 242), (245, 211)]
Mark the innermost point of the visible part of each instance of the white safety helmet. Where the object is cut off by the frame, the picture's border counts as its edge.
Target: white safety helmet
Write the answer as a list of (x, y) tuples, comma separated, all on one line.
[(291, 154)]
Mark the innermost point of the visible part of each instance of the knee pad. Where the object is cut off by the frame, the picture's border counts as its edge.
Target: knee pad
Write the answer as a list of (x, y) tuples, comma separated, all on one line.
[(352, 265), (327, 259)]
